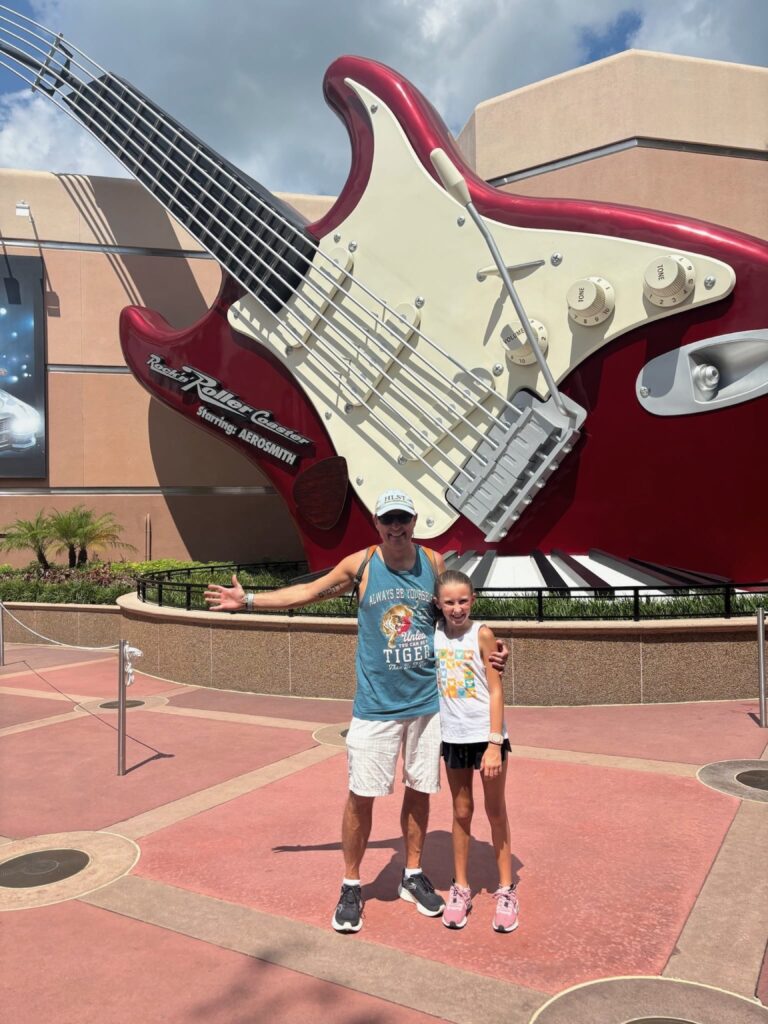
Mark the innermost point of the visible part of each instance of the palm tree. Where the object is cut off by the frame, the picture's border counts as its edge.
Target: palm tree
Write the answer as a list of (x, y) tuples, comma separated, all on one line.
[(66, 528), (34, 534), (100, 532)]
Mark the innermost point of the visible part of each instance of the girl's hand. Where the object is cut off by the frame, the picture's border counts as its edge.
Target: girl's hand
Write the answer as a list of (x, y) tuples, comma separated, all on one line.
[(225, 599), (490, 765)]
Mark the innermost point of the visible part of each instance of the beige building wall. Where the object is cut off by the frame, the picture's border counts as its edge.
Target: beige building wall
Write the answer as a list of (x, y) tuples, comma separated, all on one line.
[(176, 491), (695, 135)]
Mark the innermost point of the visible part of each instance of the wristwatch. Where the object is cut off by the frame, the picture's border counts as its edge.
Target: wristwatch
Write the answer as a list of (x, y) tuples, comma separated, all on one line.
[(497, 738), (249, 595)]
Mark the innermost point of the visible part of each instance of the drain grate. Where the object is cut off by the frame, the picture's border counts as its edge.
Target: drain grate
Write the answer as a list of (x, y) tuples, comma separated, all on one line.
[(41, 868), (113, 705), (757, 778)]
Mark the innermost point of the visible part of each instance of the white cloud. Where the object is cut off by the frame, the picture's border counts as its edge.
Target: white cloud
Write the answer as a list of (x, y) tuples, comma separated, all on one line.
[(38, 137), (734, 31), (246, 75)]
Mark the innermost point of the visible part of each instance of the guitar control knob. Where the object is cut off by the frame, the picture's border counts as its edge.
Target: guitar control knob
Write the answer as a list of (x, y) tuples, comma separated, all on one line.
[(707, 379), (669, 280), (515, 342), (590, 301)]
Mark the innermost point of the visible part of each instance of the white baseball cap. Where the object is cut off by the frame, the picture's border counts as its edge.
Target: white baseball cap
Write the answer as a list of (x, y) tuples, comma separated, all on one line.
[(394, 501)]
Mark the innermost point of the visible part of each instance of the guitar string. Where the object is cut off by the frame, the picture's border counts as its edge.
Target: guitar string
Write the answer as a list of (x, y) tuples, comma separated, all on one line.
[(439, 426), (279, 217), (334, 375), (52, 71), (408, 371)]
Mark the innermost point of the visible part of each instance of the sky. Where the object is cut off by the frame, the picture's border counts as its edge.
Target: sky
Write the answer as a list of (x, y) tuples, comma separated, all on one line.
[(246, 75)]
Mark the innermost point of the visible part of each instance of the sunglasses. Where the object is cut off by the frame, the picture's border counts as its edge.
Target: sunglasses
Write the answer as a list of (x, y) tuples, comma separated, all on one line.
[(395, 517)]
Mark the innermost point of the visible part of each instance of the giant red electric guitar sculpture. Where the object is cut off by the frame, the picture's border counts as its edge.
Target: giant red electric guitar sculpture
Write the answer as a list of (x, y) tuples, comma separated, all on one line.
[(599, 378)]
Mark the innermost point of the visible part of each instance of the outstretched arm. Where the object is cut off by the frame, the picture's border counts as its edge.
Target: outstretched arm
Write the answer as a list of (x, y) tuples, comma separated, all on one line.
[(336, 582)]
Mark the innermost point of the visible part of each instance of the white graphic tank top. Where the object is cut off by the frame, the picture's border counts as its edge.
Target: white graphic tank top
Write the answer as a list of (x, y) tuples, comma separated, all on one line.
[(465, 703)]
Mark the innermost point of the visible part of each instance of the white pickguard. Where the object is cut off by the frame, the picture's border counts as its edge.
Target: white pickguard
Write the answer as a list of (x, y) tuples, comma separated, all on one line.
[(386, 397)]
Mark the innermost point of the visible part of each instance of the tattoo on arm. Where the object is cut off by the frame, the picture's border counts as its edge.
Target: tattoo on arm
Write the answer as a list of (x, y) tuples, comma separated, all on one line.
[(335, 588)]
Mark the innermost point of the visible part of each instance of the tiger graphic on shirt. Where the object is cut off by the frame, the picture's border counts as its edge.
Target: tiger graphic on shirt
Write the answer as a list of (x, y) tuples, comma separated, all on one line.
[(407, 643), (396, 621)]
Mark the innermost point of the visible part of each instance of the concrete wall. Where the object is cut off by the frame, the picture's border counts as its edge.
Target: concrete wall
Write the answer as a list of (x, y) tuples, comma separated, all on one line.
[(550, 663)]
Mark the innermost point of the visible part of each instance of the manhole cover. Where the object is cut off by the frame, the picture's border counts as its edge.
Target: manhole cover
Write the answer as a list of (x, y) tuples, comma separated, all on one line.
[(41, 868), (746, 779), (112, 705), (755, 779), (659, 1020), (333, 735)]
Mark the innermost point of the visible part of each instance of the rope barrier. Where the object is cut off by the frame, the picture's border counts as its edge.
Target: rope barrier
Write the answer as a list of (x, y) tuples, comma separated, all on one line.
[(88, 711), (126, 654), (56, 643)]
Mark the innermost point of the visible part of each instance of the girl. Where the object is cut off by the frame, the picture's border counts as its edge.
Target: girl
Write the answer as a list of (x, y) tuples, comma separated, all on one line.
[(474, 737)]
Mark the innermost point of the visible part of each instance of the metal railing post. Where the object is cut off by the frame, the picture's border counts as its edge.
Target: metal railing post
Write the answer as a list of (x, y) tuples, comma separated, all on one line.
[(2, 636), (121, 707), (761, 665)]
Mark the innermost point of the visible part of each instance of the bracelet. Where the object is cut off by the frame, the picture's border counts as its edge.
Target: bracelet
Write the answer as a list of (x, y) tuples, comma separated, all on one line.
[(249, 595)]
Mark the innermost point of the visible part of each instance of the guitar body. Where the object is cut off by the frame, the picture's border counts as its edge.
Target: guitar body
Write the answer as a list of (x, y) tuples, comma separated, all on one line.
[(390, 362)]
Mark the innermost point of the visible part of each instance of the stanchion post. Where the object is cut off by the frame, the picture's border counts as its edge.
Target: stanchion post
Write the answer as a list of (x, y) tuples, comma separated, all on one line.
[(761, 665), (2, 637), (121, 708)]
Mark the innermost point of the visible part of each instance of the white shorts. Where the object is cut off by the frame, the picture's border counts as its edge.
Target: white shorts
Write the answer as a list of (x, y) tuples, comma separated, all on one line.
[(372, 749)]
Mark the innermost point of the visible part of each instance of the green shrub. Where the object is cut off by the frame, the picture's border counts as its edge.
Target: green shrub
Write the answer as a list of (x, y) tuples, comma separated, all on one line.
[(104, 582)]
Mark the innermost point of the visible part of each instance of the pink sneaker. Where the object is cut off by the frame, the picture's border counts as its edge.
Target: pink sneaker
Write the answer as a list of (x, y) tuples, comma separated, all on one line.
[(458, 907), (507, 906)]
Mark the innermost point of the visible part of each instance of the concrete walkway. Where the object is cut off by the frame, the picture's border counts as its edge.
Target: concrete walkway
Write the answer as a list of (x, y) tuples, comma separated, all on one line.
[(214, 865)]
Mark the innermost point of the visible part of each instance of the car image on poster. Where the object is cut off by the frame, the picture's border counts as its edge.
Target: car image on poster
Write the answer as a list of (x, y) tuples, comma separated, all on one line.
[(22, 369)]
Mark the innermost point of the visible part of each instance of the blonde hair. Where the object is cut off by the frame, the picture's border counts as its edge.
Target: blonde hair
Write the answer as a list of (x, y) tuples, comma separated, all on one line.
[(452, 576)]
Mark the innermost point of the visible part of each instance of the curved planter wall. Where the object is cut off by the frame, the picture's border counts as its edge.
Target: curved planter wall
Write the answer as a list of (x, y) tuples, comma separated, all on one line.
[(550, 663)]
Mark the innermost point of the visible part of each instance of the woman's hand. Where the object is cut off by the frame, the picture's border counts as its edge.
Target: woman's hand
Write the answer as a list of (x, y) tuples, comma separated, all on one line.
[(225, 599), (490, 765)]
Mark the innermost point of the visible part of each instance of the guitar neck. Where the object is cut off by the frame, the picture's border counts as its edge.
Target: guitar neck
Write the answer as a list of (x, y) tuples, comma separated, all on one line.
[(259, 240)]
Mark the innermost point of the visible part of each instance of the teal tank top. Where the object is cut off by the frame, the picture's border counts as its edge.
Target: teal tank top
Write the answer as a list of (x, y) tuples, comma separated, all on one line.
[(396, 642)]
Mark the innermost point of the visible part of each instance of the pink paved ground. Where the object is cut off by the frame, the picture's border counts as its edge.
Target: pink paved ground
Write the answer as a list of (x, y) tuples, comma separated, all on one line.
[(63, 777), (619, 890), (330, 711), (762, 984), (689, 733), (47, 654), (95, 679), (610, 860), (117, 970), (14, 710)]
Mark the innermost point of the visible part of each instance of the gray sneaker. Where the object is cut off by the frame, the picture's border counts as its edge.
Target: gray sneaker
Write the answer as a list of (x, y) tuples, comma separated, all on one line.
[(419, 890), (348, 916)]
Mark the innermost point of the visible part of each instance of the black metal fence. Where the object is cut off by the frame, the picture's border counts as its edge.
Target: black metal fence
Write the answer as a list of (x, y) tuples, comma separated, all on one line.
[(184, 588)]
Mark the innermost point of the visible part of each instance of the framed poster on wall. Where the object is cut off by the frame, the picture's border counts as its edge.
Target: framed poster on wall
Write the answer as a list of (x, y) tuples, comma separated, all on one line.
[(22, 368)]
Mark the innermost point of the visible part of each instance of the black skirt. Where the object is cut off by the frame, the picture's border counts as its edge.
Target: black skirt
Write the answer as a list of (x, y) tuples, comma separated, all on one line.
[(468, 755)]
